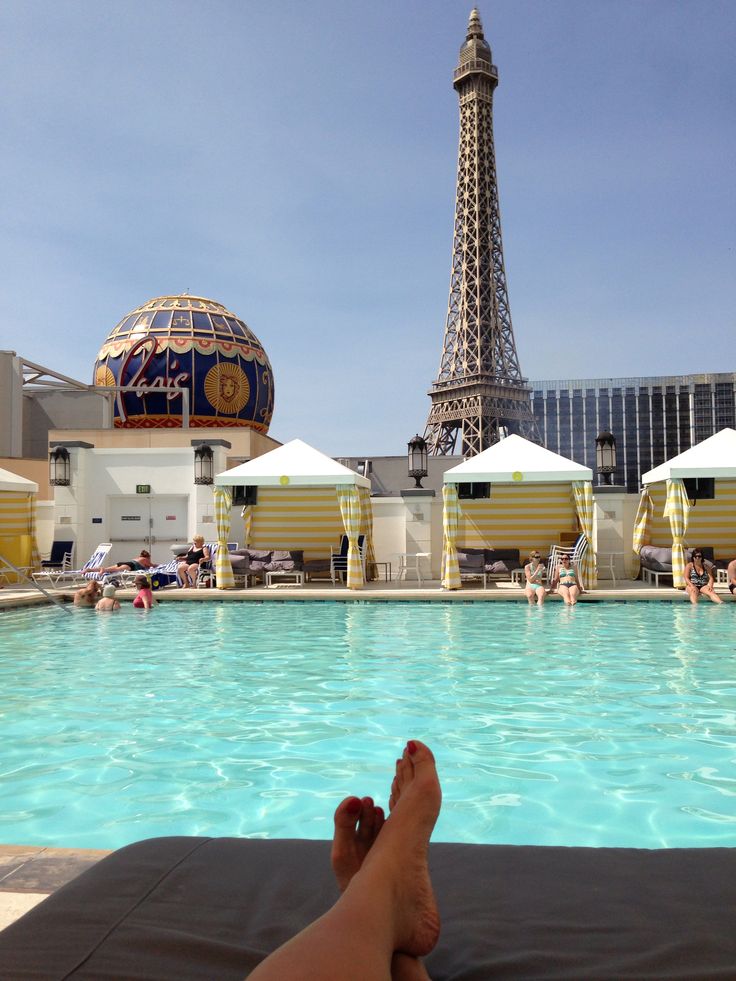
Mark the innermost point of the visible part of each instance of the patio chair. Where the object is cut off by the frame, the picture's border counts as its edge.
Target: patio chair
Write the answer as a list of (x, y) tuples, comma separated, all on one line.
[(339, 559), (61, 557), (53, 577), (206, 573)]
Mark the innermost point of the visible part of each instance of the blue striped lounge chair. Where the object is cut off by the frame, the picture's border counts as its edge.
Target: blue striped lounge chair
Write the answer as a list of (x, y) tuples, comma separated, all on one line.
[(69, 577)]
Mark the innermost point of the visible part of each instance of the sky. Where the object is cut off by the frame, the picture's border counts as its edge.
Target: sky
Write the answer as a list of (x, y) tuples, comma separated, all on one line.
[(296, 162)]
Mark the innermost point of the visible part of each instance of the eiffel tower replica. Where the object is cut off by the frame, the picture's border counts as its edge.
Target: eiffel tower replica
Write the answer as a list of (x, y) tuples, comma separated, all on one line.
[(480, 392)]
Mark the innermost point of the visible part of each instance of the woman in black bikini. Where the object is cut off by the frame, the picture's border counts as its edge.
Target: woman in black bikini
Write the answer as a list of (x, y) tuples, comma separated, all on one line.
[(699, 579)]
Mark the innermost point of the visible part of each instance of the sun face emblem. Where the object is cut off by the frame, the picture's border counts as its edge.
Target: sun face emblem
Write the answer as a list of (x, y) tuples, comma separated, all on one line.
[(226, 387), (104, 376)]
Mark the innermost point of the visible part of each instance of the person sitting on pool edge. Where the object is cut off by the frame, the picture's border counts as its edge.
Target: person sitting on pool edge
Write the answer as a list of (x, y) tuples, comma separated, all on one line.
[(196, 556), (699, 579), (132, 565), (88, 595), (535, 572), (731, 578), (386, 917), (567, 581), (108, 603)]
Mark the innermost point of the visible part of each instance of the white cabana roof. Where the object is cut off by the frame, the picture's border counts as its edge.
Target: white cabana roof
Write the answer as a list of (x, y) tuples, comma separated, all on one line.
[(714, 457), (295, 464), (517, 460), (12, 482)]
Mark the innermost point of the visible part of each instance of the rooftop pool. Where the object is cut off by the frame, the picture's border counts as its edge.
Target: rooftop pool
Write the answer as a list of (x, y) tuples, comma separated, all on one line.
[(606, 724)]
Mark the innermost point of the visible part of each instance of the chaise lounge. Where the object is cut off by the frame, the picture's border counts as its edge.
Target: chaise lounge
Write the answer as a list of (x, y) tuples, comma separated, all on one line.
[(196, 909), (656, 562), (487, 563)]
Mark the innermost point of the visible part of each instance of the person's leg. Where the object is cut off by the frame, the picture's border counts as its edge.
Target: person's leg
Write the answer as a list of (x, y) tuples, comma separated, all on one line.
[(573, 592), (564, 592), (541, 595), (357, 824), (387, 905), (711, 594), (529, 593), (693, 592)]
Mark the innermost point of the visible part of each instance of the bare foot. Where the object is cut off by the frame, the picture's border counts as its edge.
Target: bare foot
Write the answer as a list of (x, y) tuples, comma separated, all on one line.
[(357, 822), (397, 860)]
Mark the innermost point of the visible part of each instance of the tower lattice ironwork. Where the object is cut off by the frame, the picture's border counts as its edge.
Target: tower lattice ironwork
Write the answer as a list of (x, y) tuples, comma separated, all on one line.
[(480, 392)]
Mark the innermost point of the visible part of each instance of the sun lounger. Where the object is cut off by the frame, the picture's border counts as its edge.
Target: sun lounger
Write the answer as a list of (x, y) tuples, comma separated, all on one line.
[(190, 909), (55, 577)]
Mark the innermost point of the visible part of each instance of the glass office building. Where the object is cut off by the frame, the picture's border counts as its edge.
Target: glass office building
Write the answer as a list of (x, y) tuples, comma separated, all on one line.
[(653, 419)]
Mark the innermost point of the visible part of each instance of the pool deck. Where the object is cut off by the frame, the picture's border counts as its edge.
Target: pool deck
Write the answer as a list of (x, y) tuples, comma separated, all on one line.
[(29, 873), (429, 591)]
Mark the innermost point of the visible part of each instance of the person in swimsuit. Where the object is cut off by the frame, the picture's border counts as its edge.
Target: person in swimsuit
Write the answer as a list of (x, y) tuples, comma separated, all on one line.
[(144, 600), (731, 578), (108, 603), (567, 582), (88, 595), (132, 565), (188, 568), (535, 573), (699, 579)]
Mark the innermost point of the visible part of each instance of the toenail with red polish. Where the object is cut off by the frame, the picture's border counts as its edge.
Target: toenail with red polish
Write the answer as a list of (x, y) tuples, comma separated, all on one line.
[(353, 806), (412, 747)]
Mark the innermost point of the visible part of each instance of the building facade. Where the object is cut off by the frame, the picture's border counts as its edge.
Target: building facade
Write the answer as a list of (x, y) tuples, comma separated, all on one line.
[(652, 419)]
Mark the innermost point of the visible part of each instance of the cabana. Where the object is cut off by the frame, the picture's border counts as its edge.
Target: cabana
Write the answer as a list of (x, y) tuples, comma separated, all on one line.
[(17, 523), (535, 495), (304, 500), (704, 475)]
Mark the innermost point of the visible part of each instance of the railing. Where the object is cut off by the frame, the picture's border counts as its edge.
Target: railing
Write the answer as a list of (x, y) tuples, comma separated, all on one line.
[(7, 564)]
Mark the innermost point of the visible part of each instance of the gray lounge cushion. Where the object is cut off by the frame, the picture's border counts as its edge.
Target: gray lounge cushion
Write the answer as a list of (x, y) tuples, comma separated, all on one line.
[(470, 562), (497, 568), (198, 909)]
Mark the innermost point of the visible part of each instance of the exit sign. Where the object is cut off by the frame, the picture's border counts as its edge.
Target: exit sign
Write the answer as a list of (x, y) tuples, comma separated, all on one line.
[(143, 488)]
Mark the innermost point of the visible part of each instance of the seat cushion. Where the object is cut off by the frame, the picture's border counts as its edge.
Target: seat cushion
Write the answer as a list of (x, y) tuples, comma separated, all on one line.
[(497, 568), (656, 558), (469, 562)]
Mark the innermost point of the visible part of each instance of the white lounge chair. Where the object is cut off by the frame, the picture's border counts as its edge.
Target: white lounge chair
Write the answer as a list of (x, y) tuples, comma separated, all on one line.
[(54, 577)]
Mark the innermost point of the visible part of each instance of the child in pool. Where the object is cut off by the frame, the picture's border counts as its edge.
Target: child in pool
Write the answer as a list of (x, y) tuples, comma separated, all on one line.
[(144, 600)]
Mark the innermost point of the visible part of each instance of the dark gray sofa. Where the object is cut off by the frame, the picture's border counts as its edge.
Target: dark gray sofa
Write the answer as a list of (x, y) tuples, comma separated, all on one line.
[(656, 561), (199, 909), (254, 563), (487, 563)]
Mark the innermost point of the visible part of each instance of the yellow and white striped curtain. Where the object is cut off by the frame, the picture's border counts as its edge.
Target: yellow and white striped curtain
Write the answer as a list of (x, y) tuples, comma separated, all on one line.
[(350, 510), (583, 494), (223, 567), (641, 530), (18, 529), (450, 520), (677, 508), (366, 528), (247, 515)]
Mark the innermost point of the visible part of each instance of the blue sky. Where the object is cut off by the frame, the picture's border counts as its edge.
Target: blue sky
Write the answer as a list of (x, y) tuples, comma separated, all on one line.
[(296, 162)]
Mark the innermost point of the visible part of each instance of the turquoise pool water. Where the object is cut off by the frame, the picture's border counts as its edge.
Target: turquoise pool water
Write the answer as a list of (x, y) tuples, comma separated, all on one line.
[(609, 724)]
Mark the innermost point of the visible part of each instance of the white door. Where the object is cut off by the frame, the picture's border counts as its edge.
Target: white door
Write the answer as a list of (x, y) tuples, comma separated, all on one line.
[(147, 521)]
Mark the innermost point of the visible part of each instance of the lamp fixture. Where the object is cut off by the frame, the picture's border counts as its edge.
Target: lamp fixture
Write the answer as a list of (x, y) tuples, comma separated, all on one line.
[(60, 468), (605, 457), (417, 459), (203, 465)]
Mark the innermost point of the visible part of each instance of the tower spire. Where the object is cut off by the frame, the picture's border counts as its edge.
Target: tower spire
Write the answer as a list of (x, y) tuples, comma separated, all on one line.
[(479, 393)]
